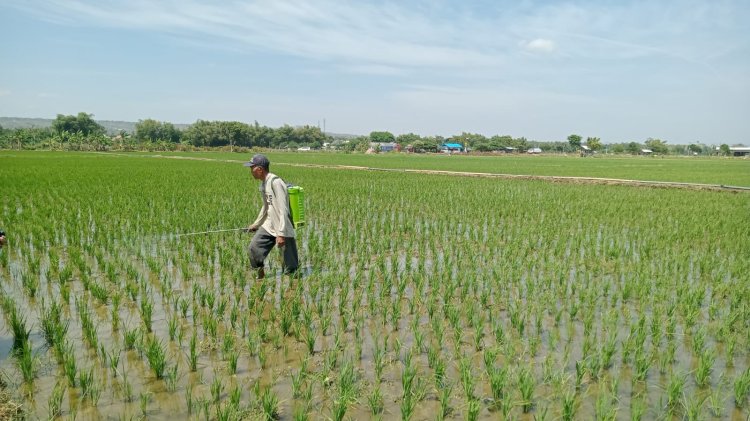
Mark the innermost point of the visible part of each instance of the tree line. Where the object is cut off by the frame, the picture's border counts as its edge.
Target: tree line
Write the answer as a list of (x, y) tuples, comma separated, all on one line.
[(82, 132)]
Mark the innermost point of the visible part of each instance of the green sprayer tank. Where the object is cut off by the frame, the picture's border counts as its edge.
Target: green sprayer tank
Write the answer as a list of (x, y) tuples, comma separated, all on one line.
[(297, 205)]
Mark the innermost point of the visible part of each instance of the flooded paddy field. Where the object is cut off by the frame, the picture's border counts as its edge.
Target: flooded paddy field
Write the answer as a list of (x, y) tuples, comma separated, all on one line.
[(421, 296)]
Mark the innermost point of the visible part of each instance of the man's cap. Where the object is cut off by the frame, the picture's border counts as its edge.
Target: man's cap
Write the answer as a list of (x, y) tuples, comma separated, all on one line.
[(259, 160)]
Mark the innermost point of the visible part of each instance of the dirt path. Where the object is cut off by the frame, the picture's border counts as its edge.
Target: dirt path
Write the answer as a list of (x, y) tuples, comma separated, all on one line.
[(550, 178)]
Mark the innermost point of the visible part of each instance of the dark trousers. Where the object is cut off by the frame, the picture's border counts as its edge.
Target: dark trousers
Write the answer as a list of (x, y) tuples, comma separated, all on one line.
[(262, 244)]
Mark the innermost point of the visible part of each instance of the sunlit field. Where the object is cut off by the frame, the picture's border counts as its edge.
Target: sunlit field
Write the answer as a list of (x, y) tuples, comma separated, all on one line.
[(422, 296), (705, 170)]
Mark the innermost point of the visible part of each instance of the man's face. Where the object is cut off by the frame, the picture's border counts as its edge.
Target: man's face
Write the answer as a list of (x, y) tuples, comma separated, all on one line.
[(257, 172)]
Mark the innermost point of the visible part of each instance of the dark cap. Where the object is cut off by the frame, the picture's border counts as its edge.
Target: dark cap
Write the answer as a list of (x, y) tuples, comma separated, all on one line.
[(259, 160)]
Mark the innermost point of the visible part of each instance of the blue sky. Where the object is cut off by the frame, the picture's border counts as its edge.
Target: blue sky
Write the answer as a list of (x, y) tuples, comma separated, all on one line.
[(618, 70)]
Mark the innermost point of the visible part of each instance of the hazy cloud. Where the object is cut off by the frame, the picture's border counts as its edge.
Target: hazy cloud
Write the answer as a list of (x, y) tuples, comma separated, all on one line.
[(539, 45)]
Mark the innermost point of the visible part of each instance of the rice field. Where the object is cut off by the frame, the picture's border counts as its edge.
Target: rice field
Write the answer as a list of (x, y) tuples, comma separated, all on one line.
[(422, 296)]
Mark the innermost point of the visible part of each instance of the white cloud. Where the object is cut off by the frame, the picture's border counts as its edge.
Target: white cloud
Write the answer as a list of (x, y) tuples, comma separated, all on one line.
[(539, 45)]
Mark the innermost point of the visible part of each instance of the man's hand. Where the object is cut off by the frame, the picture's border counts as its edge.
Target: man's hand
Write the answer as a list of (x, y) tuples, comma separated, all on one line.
[(280, 241), (251, 228)]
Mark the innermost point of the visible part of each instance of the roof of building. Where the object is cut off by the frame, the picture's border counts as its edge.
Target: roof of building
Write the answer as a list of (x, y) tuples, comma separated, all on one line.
[(453, 145)]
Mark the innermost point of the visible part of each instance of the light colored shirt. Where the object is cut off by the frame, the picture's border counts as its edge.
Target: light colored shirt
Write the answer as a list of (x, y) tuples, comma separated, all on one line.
[(275, 215)]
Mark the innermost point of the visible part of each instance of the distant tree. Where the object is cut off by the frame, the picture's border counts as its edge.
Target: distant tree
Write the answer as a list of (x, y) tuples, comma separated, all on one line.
[(657, 145), (634, 148), (618, 148), (82, 123), (261, 136), (555, 146), (484, 146), (520, 143), (500, 142), (408, 139), (310, 135), (432, 143), (152, 131), (471, 141), (594, 143), (724, 149), (382, 137), (198, 134), (575, 141), (362, 143), (695, 148), (282, 136)]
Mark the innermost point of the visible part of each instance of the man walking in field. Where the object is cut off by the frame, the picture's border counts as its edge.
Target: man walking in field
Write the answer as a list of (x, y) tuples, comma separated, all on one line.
[(274, 223)]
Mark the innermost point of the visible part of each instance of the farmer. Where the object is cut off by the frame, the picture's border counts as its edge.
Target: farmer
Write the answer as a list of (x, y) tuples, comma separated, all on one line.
[(2, 238), (274, 223)]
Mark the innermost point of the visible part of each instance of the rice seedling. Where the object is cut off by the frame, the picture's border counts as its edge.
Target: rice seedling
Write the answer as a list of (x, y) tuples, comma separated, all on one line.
[(375, 400), (413, 388), (526, 386), (605, 407), (378, 354), (144, 400), (263, 358), (347, 391), (127, 388), (467, 377), (54, 403), (570, 401), (217, 387), (193, 356), (87, 383), (705, 366), (642, 365), (30, 284), (716, 401), (27, 363), (147, 309), (472, 410), (269, 402), (18, 328), (444, 397), (189, 398), (131, 338), (156, 355), (53, 328), (675, 389), (693, 407), (498, 377), (741, 388), (232, 361), (171, 377)]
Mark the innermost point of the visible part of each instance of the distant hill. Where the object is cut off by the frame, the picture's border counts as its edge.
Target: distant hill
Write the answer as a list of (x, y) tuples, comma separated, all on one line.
[(112, 127)]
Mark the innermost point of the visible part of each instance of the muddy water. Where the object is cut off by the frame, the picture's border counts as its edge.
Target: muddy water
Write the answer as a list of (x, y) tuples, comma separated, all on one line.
[(133, 391)]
